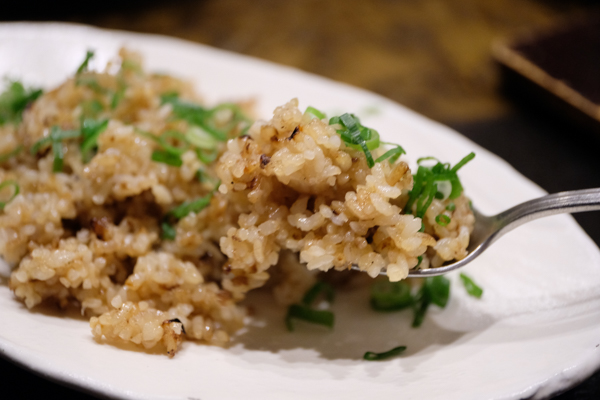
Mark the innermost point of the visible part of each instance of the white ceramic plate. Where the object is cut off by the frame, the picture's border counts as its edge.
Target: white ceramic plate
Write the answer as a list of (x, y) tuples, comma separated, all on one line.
[(535, 331)]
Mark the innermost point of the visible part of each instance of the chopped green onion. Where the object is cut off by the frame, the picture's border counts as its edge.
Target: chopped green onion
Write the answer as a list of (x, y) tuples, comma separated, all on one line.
[(14, 100), (37, 146), (179, 137), (442, 220), (201, 139), (315, 113), (421, 159), (84, 65), (451, 207), (318, 288), (435, 290), (148, 135), (91, 130), (420, 311), (92, 83), (439, 290), (11, 154), (117, 97), (419, 261), (395, 296), (131, 65), (390, 296), (16, 187), (188, 207), (462, 162), (392, 154), (57, 135), (356, 135), (168, 232), (202, 176), (307, 314), (371, 356), (425, 187), (205, 118), (207, 158), (91, 108), (472, 288), (167, 158), (169, 97), (57, 149)]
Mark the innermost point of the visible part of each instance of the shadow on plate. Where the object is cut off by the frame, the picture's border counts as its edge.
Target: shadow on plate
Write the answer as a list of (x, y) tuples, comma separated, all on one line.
[(358, 329)]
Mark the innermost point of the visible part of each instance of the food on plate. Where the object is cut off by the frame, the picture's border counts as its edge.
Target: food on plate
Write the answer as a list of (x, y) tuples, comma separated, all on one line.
[(124, 196)]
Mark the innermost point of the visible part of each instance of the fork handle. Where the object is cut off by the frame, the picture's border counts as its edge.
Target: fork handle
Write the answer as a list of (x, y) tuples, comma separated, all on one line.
[(558, 203)]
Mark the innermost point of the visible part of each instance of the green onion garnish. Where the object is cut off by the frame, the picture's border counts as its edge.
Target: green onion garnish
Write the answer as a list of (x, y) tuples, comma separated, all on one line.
[(169, 154), (16, 188), (419, 312), (205, 117), (191, 206), (84, 65), (318, 288), (92, 83), (315, 113), (462, 162), (419, 261), (14, 100), (201, 139), (11, 154), (57, 135), (442, 220), (435, 290), (425, 183), (117, 97), (179, 137), (57, 149), (451, 207), (356, 135), (390, 296), (472, 288), (207, 157), (131, 65), (168, 232), (91, 108), (166, 158), (392, 154), (307, 314), (438, 288), (371, 356), (37, 146), (91, 130)]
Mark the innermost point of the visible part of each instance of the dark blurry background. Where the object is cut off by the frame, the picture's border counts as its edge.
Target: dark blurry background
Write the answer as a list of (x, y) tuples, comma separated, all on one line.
[(433, 56)]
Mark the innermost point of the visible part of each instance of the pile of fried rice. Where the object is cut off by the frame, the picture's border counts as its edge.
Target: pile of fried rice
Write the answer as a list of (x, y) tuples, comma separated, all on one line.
[(285, 198)]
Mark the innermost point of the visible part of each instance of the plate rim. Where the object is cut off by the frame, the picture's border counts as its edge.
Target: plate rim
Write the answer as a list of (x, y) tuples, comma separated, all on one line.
[(553, 385)]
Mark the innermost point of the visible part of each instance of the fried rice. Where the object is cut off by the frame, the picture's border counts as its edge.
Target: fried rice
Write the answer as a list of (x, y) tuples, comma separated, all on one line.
[(284, 200)]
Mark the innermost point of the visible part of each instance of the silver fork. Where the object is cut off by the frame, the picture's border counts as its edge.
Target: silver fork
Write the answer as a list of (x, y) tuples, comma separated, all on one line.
[(489, 228)]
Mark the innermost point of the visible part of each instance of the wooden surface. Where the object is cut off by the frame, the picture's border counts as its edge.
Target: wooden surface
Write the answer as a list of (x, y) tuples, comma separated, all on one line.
[(430, 55)]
